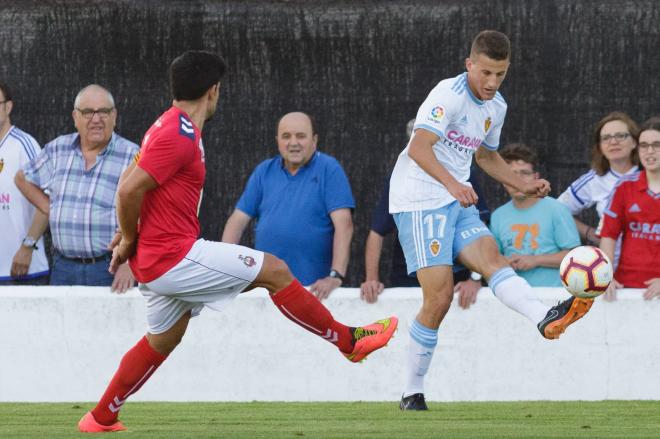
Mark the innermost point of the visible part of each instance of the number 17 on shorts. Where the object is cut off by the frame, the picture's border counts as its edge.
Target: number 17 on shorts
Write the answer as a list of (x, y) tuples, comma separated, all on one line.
[(427, 236)]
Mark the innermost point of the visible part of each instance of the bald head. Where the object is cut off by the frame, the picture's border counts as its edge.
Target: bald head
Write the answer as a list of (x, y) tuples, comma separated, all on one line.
[(296, 140), (94, 89)]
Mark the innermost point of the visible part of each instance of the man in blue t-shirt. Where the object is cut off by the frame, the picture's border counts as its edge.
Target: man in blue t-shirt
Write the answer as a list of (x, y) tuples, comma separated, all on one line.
[(533, 233), (302, 202)]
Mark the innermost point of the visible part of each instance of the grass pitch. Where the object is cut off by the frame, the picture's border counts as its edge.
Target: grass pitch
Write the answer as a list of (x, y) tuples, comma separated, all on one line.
[(502, 420)]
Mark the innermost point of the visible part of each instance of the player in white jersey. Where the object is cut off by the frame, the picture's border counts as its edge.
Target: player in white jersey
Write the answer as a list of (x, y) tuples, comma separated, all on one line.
[(22, 259), (434, 207), (613, 155)]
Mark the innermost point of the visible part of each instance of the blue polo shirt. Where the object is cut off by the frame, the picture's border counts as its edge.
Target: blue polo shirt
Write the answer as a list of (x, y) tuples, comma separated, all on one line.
[(293, 212)]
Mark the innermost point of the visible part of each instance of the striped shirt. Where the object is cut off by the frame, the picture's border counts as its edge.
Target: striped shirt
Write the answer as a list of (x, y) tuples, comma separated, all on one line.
[(83, 217)]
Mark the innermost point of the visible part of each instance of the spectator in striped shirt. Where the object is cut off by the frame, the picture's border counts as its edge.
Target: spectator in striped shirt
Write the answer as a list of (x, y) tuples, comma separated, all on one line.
[(22, 259), (74, 180)]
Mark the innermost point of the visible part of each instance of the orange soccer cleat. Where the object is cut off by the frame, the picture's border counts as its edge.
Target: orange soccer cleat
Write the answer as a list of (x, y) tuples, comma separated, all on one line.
[(560, 316), (371, 337), (88, 424)]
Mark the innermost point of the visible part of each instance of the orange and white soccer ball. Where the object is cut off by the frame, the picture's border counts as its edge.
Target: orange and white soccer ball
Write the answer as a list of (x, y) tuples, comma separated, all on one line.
[(586, 272)]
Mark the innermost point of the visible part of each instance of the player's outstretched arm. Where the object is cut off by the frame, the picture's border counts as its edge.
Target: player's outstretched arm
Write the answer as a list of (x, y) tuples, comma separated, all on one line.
[(495, 166), (421, 151)]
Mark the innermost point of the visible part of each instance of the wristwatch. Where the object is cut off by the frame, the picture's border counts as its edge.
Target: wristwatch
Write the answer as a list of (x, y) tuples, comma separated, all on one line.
[(30, 242), (475, 276), (334, 273)]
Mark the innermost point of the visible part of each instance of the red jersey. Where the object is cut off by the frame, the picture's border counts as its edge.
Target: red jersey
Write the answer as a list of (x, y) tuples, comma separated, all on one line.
[(634, 211), (173, 155)]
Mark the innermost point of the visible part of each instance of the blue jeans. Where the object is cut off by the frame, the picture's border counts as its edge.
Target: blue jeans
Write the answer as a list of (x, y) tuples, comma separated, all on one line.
[(68, 272)]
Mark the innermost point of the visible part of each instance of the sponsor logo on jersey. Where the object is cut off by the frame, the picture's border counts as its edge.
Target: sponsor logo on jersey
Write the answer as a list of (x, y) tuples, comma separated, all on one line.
[(434, 246), (5, 199), (248, 260), (487, 124), (644, 230), (463, 140), (437, 113)]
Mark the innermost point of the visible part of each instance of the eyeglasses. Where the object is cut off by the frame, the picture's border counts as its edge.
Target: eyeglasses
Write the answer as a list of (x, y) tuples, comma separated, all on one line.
[(655, 146), (89, 113), (619, 137)]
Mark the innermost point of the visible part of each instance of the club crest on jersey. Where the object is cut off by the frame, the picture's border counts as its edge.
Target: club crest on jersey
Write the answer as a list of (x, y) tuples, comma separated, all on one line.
[(434, 246), (186, 128), (487, 124), (248, 260), (2, 164), (437, 113)]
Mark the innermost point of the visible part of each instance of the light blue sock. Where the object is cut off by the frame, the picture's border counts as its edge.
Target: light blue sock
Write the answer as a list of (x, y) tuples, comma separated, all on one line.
[(420, 352)]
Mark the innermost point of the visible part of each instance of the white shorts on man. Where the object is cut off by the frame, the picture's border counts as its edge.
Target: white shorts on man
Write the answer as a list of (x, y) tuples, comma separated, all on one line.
[(211, 274)]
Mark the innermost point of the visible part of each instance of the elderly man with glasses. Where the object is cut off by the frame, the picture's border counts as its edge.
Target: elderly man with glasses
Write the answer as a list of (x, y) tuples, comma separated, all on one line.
[(74, 181)]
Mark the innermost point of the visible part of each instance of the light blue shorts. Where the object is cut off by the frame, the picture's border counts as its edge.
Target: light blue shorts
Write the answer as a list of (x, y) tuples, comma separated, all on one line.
[(436, 236)]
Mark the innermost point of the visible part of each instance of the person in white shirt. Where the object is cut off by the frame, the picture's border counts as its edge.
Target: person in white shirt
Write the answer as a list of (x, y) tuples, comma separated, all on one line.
[(613, 155), (433, 206), (22, 259)]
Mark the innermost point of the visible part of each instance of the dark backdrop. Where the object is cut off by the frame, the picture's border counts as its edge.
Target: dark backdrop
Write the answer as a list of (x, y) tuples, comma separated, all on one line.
[(361, 68)]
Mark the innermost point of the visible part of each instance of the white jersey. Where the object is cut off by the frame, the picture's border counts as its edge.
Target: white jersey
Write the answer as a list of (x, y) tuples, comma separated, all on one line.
[(591, 189), (16, 212), (463, 123)]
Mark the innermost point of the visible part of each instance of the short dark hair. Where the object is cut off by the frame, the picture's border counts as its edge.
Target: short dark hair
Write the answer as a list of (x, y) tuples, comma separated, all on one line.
[(193, 73), (520, 151), (495, 45), (653, 123), (599, 162), (312, 122), (4, 88)]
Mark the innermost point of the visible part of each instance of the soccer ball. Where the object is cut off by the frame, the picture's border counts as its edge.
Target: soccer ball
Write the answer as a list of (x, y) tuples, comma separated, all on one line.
[(586, 272)]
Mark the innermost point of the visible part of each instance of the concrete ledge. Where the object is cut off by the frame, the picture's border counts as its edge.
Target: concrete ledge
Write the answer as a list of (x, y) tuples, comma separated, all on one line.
[(64, 344)]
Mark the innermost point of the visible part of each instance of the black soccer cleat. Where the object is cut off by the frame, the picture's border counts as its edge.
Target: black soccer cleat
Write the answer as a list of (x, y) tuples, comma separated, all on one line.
[(413, 402), (560, 316)]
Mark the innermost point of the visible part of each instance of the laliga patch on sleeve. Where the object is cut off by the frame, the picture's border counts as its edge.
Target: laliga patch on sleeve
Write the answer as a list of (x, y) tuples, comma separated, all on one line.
[(437, 113)]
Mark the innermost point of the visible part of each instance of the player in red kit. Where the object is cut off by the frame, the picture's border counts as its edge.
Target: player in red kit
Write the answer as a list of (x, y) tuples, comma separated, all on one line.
[(179, 274)]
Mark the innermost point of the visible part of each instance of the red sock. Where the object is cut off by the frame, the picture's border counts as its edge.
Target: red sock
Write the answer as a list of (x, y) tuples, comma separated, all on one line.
[(135, 368), (301, 307)]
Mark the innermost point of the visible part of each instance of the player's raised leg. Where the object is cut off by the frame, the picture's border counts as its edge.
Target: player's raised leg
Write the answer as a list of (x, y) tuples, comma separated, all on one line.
[(135, 368), (482, 255), (304, 309)]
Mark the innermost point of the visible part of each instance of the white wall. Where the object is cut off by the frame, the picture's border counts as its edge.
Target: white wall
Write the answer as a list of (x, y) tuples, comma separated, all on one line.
[(64, 343)]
